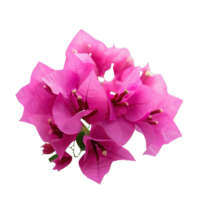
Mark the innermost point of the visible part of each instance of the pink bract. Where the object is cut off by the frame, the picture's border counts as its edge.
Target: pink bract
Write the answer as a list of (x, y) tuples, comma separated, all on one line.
[(63, 162), (38, 100), (47, 148), (102, 56), (99, 155)]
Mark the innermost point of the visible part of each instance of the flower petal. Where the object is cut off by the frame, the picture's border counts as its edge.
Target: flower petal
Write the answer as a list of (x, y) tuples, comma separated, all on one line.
[(84, 43), (35, 99), (81, 64), (60, 145), (146, 130), (62, 81), (62, 163), (93, 94), (40, 71), (170, 105), (155, 81), (117, 152), (141, 102), (119, 130), (132, 81), (93, 169), (166, 127), (158, 135), (43, 127), (65, 121)]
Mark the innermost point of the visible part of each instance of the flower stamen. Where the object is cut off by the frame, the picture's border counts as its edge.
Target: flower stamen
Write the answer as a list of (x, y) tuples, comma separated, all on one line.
[(47, 88), (156, 111), (120, 104), (148, 73), (153, 122), (80, 103), (121, 96), (104, 153), (74, 51), (74, 92), (114, 97), (149, 118), (54, 129)]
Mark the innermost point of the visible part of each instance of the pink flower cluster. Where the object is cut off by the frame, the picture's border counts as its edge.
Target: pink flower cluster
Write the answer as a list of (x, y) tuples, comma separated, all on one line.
[(57, 102)]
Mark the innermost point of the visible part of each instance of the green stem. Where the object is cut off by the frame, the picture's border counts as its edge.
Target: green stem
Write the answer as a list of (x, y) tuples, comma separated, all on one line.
[(85, 129), (52, 157), (73, 149)]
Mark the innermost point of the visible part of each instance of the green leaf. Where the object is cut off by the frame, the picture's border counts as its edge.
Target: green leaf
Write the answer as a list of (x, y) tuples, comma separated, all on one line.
[(79, 140)]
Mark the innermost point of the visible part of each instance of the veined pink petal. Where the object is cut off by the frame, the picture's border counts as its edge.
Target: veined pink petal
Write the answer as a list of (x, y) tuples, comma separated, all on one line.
[(62, 81), (121, 59), (84, 43), (158, 135), (170, 105), (141, 102), (98, 133), (155, 81), (146, 130), (102, 56), (40, 71), (126, 73), (42, 126), (25, 117), (62, 163), (154, 148), (96, 169), (119, 130), (96, 137), (117, 152), (81, 64), (60, 145), (93, 94), (132, 81), (65, 121), (166, 127), (36, 100)]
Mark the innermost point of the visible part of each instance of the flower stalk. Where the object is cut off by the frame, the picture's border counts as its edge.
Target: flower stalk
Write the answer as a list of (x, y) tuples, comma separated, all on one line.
[(53, 158)]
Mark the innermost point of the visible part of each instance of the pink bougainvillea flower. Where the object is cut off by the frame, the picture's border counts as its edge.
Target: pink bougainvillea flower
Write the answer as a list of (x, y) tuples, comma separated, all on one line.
[(101, 55), (131, 102), (62, 81), (155, 81), (100, 153), (68, 123), (81, 64), (160, 123), (38, 100), (82, 94), (148, 98), (49, 132), (47, 148), (63, 162), (36, 97), (154, 120), (89, 102)]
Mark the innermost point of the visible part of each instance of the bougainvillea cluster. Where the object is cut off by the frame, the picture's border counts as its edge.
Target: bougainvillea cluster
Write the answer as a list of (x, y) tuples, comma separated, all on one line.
[(58, 102)]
